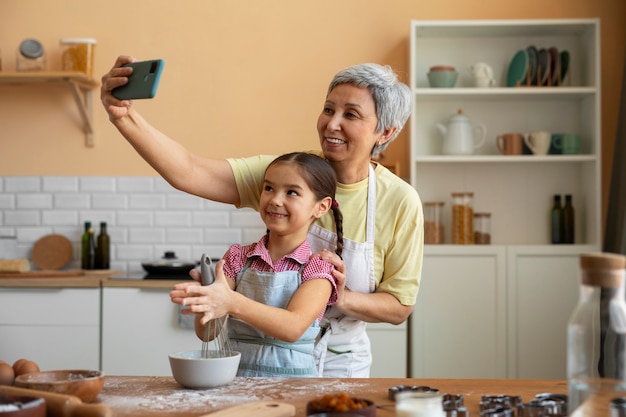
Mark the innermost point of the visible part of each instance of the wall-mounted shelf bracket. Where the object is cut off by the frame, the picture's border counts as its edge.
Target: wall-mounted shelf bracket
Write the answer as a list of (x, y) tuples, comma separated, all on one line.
[(81, 86)]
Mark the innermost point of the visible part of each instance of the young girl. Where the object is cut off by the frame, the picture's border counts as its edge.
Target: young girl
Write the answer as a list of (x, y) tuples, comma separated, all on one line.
[(277, 292)]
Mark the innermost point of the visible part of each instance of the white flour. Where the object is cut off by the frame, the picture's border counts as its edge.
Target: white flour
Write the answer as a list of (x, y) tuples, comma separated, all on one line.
[(163, 393)]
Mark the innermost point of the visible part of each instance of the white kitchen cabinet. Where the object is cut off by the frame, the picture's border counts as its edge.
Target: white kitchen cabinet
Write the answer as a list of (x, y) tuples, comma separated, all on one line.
[(543, 291), (506, 308), (139, 330), (389, 350), (458, 325), (54, 327)]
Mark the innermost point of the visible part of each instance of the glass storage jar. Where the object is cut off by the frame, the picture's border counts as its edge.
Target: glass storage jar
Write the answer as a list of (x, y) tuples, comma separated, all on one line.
[(433, 226), (462, 218), (78, 54), (30, 56), (482, 228)]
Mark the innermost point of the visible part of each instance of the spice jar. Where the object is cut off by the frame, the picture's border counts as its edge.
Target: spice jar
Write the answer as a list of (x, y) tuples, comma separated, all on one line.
[(78, 54), (433, 227), (462, 218), (482, 228)]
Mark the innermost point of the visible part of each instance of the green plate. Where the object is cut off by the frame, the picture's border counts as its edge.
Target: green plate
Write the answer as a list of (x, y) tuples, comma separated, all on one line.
[(517, 68)]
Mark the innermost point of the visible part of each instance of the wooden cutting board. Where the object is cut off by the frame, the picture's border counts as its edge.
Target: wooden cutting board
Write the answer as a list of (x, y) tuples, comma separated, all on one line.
[(47, 273), (52, 252), (257, 409)]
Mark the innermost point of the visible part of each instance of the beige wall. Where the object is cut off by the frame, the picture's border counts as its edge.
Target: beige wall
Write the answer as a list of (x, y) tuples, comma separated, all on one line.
[(241, 77)]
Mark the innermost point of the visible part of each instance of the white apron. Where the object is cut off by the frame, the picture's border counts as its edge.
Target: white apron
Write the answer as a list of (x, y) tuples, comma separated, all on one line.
[(343, 350), (262, 355)]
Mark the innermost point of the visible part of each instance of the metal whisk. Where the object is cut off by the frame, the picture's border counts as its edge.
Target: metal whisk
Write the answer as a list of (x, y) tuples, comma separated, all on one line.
[(217, 344)]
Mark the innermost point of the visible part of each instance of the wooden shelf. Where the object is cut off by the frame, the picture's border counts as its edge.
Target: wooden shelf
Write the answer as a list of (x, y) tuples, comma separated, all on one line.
[(81, 86)]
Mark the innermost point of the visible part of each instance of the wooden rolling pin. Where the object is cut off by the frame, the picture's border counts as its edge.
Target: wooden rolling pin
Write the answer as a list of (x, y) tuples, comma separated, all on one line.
[(60, 405)]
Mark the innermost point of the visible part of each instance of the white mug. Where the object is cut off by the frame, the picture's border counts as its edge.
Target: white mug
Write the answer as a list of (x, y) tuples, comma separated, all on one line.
[(483, 75), (538, 142)]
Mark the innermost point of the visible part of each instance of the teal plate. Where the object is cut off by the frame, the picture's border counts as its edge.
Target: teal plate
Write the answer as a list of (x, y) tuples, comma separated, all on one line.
[(517, 68)]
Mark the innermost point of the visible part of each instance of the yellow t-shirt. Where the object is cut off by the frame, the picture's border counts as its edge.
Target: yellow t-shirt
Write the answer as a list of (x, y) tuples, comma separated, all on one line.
[(399, 227)]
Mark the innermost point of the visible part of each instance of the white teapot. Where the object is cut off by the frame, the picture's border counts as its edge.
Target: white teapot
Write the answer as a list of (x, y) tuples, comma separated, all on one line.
[(483, 75), (458, 135)]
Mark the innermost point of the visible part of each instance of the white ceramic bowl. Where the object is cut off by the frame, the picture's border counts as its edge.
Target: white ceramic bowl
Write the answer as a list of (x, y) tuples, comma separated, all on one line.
[(191, 370)]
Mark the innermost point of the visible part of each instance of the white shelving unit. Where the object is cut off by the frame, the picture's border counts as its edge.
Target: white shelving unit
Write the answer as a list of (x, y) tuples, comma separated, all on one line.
[(516, 190), (500, 302)]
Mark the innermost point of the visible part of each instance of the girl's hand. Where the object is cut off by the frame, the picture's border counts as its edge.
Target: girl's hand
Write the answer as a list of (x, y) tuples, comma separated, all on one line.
[(210, 301), (116, 77)]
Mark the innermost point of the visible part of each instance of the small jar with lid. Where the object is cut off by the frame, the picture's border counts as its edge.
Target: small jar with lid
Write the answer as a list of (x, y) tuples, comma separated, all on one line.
[(30, 56), (482, 228), (78, 55), (462, 218), (433, 226)]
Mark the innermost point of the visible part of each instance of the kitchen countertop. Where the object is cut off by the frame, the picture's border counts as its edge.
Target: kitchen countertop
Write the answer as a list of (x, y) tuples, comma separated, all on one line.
[(55, 279), (84, 279), (145, 396)]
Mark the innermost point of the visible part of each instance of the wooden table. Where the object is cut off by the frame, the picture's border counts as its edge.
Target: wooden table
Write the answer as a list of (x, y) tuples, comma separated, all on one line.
[(162, 396)]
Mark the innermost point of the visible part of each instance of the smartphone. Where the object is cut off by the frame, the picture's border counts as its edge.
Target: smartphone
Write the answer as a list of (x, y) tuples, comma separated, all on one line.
[(143, 82)]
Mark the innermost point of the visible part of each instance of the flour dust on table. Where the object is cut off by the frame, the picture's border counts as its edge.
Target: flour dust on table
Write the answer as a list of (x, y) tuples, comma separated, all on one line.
[(169, 395)]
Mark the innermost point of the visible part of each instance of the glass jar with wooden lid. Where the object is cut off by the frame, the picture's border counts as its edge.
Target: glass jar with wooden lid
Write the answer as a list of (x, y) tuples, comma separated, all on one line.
[(462, 232)]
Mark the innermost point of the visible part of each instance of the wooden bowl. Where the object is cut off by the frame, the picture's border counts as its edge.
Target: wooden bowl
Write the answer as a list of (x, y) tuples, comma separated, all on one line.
[(83, 384), (334, 405), (18, 406)]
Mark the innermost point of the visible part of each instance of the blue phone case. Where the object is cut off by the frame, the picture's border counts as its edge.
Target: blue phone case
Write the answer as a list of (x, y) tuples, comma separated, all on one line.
[(143, 82)]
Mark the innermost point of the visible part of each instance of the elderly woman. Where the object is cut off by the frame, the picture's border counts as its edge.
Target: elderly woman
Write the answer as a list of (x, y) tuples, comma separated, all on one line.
[(378, 278)]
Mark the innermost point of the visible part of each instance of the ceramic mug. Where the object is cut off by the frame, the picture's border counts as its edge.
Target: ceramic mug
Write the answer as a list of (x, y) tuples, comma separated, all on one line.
[(509, 143), (566, 143), (483, 75), (538, 142)]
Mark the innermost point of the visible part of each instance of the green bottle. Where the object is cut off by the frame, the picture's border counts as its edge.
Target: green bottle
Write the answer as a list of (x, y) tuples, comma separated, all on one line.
[(568, 221), (557, 220), (88, 247), (103, 260)]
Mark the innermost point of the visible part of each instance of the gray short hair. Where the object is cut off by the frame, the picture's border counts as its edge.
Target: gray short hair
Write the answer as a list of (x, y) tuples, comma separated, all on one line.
[(393, 98)]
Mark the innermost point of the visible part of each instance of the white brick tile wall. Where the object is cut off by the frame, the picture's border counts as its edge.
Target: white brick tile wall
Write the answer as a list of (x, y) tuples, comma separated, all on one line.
[(97, 184), (59, 217), (211, 218), (135, 184), (7, 201), (146, 235), (109, 201), (72, 201), (145, 217), (22, 184), (146, 201), (172, 218), (34, 200), (22, 218), (182, 235), (60, 184)]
